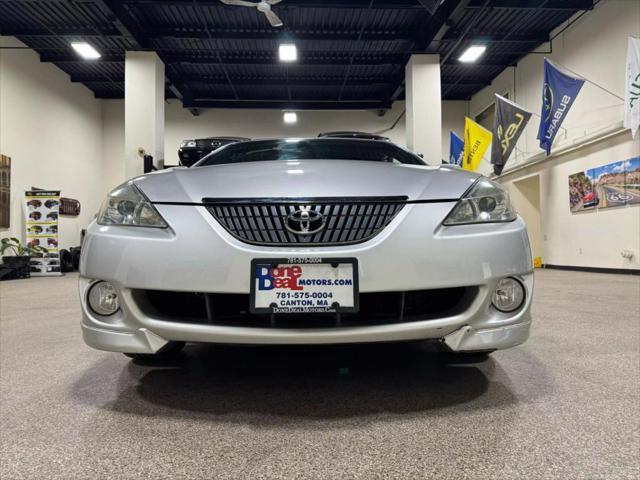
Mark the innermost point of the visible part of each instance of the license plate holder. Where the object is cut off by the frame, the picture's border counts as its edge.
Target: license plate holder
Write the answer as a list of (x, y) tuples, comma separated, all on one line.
[(304, 285)]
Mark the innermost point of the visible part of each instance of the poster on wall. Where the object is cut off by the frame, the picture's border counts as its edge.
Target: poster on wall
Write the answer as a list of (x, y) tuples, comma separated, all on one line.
[(42, 209), (581, 191), (5, 191), (609, 183), (632, 180), (615, 184)]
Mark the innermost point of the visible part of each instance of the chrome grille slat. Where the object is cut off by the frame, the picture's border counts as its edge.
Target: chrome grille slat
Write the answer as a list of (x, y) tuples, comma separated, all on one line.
[(264, 221)]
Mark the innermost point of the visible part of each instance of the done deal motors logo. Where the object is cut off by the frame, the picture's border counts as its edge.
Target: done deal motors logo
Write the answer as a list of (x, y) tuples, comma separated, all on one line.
[(288, 278), (270, 277)]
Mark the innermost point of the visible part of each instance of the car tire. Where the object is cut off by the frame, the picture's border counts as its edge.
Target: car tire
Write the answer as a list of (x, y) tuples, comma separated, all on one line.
[(169, 351)]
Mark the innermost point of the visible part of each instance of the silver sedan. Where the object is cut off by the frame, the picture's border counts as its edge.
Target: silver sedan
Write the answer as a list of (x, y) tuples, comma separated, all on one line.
[(306, 241)]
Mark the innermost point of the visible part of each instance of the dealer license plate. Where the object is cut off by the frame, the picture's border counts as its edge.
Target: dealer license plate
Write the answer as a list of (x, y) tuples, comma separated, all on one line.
[(304, 285)]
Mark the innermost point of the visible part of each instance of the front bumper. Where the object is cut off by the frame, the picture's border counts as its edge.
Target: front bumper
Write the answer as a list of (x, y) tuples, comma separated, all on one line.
[(413, 252)]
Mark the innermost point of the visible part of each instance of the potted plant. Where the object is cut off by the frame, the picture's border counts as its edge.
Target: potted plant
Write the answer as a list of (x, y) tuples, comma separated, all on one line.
[(20, 261)]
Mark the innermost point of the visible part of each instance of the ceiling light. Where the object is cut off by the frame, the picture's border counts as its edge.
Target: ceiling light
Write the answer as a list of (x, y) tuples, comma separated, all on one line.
[(85, 50), (290, 117), (473, 53), (288, 52)]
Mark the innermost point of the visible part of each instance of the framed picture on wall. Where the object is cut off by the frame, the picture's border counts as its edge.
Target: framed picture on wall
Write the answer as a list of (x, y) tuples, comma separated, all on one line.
[(632, 180), (582, 194), (5, 191), (609, 183), (615, 184)]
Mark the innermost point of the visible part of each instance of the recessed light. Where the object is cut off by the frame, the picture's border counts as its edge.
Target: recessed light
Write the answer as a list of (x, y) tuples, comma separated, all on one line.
[(85, 50), (290, 117), (473, 53), (288, 52)]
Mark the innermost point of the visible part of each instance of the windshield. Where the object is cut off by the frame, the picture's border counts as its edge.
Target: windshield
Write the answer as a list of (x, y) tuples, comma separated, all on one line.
[(311, 149)]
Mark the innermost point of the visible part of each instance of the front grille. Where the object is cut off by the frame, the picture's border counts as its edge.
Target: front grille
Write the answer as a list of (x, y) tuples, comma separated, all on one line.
[(230, 309), (205, 144), (331, 221)]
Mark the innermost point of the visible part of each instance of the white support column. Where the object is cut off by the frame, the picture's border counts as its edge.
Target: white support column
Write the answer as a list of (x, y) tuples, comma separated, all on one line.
[(143, 110), (424, 105)]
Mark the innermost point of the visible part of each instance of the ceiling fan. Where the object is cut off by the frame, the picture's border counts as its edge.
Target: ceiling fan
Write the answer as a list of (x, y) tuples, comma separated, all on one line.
[(263, 6)]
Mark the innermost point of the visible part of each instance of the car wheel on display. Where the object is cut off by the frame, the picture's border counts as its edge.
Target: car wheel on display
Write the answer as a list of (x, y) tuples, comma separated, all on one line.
[(169, 351)]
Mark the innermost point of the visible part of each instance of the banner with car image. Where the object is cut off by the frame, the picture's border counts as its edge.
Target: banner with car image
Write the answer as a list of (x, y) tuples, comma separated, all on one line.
[(42, 210), (612, 185)]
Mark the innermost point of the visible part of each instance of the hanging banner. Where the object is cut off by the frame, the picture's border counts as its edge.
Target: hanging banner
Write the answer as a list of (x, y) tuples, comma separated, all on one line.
[(476, 141), (510, 120), (559, 91), (42, 210), (632, 87), (456, 149)]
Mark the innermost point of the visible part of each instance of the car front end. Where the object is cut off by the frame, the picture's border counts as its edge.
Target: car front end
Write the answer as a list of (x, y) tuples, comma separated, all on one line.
[(306, 252)]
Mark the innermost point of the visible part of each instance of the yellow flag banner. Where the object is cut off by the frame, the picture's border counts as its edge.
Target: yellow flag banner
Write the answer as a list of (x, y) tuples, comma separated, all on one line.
[(476, 141)]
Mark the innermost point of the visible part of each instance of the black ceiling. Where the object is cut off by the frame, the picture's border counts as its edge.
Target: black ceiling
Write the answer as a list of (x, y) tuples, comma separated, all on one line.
[(352, 53)]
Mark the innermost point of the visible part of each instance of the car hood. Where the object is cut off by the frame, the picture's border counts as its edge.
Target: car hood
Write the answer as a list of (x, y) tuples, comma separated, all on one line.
[(305, 179)]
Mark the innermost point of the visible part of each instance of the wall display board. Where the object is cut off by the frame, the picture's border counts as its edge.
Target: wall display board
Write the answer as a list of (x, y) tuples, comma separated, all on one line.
[(5, 191), (612, 185), (41, 223)]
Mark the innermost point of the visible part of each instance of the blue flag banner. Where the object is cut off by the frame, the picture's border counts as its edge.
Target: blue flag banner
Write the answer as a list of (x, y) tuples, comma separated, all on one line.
[(559, 91), (456, 148)]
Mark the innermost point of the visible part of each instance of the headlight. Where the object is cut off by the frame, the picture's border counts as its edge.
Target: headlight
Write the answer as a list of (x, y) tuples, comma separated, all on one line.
[(484, 203), (188, 143), (126, 205)]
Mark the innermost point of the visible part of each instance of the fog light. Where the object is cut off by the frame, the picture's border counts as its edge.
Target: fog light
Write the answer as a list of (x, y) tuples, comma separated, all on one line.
[(103, 299), (508, 295)]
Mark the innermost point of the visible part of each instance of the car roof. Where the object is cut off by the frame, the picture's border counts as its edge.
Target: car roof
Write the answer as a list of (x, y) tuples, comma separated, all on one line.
[(239, 139), (352, 134)]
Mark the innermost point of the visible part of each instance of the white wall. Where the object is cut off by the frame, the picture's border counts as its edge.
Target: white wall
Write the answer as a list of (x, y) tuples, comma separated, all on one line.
[(52, 130), (453, 113), (144, 85), (595, 47), (113, 166), (424, 106)]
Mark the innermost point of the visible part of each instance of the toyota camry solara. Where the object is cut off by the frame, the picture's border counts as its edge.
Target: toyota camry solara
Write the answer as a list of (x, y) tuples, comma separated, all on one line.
[(296, 241)]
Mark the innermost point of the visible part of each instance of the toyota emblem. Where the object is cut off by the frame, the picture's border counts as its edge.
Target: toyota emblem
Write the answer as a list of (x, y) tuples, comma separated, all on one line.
[(305, 221)]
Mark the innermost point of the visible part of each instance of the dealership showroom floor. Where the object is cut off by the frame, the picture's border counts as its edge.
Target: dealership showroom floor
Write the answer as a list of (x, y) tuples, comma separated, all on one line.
[(320, 239)]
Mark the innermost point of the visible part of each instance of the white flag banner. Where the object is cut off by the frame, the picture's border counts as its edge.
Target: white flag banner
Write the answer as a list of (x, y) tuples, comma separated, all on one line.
[(632, 87)]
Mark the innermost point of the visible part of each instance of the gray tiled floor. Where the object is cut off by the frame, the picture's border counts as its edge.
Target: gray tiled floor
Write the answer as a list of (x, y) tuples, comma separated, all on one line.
[(564, 405)]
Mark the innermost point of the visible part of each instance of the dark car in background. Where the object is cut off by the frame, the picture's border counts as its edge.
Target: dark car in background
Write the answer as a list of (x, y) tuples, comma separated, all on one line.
[(191, 151)]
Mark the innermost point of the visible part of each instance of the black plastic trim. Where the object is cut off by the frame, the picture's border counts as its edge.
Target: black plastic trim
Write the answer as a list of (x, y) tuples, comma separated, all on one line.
[(617, 271)]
